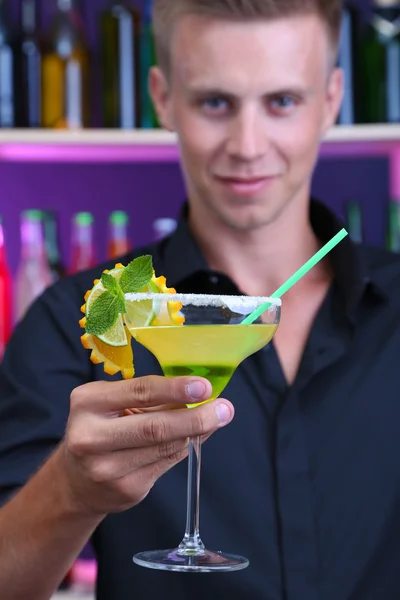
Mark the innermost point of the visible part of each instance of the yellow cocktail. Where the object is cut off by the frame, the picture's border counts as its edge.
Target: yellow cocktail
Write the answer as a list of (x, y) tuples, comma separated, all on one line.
[(210, 351)]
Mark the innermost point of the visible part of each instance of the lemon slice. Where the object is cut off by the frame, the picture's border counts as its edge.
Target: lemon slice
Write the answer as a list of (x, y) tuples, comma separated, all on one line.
[(116, 335)]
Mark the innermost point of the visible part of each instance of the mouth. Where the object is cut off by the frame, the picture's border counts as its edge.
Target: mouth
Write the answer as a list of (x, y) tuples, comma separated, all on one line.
[(246, 186)]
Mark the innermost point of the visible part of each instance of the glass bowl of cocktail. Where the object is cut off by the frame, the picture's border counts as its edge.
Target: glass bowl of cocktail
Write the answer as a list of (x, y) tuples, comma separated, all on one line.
[(190, 335)]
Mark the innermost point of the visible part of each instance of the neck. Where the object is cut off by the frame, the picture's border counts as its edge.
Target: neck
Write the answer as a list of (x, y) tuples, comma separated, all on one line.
[(261, 260)]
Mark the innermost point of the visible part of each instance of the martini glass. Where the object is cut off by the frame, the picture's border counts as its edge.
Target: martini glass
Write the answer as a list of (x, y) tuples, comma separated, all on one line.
[(211, 343)]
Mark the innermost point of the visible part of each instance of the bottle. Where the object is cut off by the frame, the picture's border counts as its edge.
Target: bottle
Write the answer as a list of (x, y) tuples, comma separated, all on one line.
[(5, 295), (346, 63), (65, 71), (379, 65), (119, 43), (354, 222), (83, 576), (52, 245), (7, 59), (83, 255), (149, 118), (163, 227), (393, 227), (118, 238), (33, 273), (28, 66)]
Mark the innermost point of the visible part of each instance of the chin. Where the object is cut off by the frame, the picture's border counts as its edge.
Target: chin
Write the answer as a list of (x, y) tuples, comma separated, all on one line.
[(243, 222), (239, 213), (252, 216)]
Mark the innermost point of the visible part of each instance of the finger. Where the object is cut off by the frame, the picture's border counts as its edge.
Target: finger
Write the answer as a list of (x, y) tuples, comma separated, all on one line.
[(155, 470), (139, 411), (119, 464), (143, 479), (151, 429), (112, 398), (122, 462)]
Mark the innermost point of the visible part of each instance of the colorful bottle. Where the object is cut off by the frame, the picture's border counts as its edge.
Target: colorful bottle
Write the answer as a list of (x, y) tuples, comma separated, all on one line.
[(393, 227), (7, 60), (379, 65), (33, 274), (28, 66), (149, 118), (52, 245), (163, 227), (119, 42), (354, 221), (83, 255), (346, 62), (65, 71), (5, 294), (118, 238), (83, 576)]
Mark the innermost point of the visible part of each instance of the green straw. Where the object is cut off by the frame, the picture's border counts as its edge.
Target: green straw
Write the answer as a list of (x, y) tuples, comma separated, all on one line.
[(296, 276)]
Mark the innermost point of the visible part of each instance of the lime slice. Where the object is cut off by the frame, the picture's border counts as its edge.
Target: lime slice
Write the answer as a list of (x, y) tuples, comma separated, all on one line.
[(143, 313), (116, 336)]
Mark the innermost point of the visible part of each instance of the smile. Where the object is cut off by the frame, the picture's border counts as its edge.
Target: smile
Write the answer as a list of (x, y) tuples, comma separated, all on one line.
[(246, 187)]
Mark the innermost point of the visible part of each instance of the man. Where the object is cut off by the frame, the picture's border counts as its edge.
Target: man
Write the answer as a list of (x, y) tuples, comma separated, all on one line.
[(304, 481)]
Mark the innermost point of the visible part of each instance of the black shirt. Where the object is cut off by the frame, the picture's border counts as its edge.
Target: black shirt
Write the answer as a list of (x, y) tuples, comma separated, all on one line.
[(305, 481)]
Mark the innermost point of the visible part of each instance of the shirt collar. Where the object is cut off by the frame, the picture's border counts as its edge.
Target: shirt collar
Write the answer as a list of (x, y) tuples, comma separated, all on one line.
[(181, 256), (352, 274), (182, 259)]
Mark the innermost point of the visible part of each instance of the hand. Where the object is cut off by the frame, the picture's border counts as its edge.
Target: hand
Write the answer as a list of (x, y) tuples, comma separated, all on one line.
[(113, 455)]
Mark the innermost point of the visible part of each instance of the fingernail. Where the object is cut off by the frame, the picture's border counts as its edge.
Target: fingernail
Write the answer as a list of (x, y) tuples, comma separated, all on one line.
[(223, 413), (196, 390)]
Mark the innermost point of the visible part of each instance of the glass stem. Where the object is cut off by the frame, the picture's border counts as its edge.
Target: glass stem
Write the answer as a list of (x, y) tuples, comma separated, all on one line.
[(191, 543)]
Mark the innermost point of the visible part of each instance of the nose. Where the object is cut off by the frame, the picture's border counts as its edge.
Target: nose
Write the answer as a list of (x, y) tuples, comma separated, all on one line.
[(246, 141)]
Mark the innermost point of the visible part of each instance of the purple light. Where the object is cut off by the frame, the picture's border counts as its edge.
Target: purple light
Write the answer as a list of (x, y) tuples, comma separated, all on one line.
[(84, 153), (151, 150)]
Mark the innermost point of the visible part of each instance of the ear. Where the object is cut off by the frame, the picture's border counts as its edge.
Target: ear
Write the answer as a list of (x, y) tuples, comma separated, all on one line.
[(159, 92), (333, 101)]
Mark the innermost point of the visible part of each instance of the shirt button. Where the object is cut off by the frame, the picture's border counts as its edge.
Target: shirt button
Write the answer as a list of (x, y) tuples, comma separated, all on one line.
[(214, 279)]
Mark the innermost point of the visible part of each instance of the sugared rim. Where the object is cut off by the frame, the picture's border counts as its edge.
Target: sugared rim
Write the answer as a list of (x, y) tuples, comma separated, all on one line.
[(208, 299)]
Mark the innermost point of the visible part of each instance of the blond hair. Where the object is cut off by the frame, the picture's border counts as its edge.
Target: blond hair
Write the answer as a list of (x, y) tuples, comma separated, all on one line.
[(167, 12)]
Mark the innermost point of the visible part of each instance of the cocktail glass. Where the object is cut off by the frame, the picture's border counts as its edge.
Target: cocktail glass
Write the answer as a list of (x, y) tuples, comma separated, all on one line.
[(211, 343)]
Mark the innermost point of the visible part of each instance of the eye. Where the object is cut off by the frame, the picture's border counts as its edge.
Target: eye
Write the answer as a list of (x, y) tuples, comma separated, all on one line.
[(215, 104), (282, 104)]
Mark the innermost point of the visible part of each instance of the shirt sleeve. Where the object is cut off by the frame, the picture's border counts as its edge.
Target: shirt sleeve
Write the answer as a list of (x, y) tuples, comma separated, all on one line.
[(43, 363)]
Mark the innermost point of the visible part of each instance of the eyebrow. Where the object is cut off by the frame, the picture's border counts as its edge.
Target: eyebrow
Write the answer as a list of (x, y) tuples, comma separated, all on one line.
[(219, 92)]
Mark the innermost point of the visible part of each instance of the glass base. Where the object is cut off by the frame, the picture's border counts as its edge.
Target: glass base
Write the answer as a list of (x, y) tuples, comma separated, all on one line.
[(206, 562)]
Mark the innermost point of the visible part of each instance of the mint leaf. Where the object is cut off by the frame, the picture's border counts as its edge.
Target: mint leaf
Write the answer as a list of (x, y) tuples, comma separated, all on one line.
[(120, 300), (109, 282), (104, 313), (137, 274)]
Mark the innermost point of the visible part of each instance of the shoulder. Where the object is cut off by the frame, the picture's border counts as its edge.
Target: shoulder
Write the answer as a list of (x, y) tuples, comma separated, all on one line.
[(383, 270), (382, 265)]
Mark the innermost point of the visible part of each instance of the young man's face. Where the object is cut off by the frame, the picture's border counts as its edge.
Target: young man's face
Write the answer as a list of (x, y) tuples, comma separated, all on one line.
[(250, 102)]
